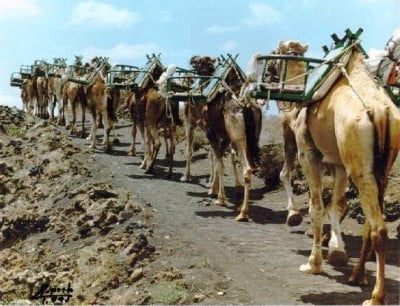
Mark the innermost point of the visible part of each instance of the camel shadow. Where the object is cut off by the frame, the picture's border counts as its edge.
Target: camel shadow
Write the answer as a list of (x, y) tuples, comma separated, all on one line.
[(257, 214), (353, 246)]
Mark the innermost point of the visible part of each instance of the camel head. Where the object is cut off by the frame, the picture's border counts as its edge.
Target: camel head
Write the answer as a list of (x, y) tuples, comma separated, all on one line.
[(281, 68), (291, 47), (203, 65)]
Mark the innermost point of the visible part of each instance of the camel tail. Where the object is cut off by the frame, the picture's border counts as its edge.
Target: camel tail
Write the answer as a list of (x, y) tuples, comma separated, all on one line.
[(386, 148), (251, 137), (111, 110)]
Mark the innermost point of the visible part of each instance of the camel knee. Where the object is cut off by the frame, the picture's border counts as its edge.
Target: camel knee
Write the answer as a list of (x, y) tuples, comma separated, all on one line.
[(379, 237)]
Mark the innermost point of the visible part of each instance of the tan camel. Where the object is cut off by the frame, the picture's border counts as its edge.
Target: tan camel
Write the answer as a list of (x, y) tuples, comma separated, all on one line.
[(27, 95), (40, 97), (100, 101), (355, 127), (73, 93), (54, 88)]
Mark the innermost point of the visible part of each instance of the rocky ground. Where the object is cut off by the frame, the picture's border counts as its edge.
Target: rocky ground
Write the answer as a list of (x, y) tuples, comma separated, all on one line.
[(94, 220)]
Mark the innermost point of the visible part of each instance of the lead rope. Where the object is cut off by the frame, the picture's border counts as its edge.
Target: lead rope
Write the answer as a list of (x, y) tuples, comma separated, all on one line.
[(346, 75)]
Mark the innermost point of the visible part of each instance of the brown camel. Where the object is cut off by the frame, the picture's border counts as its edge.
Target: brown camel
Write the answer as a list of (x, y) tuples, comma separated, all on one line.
[(230, 120)]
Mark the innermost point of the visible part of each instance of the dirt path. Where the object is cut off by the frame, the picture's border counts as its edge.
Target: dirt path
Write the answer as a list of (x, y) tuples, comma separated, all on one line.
[(255, 262)]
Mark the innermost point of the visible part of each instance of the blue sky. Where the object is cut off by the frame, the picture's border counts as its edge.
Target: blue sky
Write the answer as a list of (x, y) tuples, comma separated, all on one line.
[(126, 30)]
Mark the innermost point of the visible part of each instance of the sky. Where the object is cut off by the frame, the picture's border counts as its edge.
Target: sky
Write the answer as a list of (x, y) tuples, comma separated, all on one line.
[(127, 30)]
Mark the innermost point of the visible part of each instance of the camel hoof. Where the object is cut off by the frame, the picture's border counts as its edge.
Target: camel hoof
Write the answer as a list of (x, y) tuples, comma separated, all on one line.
[(211, 192), (185, 178), (92, 147), (242, 218), (374, 302), (149, 171), (338, 258), (107, 148), (131, 153), (294, 218), (311, 269), (358, 280), (220, 202)]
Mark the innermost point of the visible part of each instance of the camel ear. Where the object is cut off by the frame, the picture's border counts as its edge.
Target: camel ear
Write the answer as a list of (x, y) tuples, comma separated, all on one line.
[(281, 48), (305, 48)]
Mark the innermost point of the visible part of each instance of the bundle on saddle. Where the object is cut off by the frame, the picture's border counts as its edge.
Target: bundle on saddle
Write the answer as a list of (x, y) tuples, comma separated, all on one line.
[(122, 76), (301, 79), (385, 66), (17, 78), (203, 83)]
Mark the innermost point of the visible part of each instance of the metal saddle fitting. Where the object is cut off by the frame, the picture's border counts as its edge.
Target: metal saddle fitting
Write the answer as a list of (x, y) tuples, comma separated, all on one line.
[(316, 77), (202, 88)]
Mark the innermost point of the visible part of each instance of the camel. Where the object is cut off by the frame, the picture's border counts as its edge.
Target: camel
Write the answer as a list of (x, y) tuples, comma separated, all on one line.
[(27, 95), (356, 128), (100, 101), (230, 120), (40, 91), (192, 112), (151, 106), (54, 88), (73, 93), (136, 110)]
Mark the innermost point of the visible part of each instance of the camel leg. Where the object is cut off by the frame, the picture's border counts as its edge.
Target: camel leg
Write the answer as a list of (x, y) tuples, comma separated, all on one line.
[(132, 150), (94, 127), (214, 177), (234, 162), (148, 149), (221, 200), (358, 277), (311, 165), (172, 134), (73, 105), (167, 148), (337, 255), (212, 169), (377, 231), (83, 110), (189, 151), (107, 123), (247, 171), (294, 217), (52, 107), (153, 139)]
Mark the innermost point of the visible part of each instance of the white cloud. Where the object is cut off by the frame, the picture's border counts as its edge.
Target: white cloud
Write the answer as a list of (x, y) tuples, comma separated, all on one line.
[(10, 9), (229, 45), (221, 29), (10, 100), (102, 14), (261, 15), (122, 51)]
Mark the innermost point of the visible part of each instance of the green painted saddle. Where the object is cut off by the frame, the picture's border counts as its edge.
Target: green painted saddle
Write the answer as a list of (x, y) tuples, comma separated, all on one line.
[(318, 77)]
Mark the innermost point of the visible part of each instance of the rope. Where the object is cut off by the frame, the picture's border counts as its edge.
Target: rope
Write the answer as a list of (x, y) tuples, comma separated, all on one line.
[(346, 75)]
